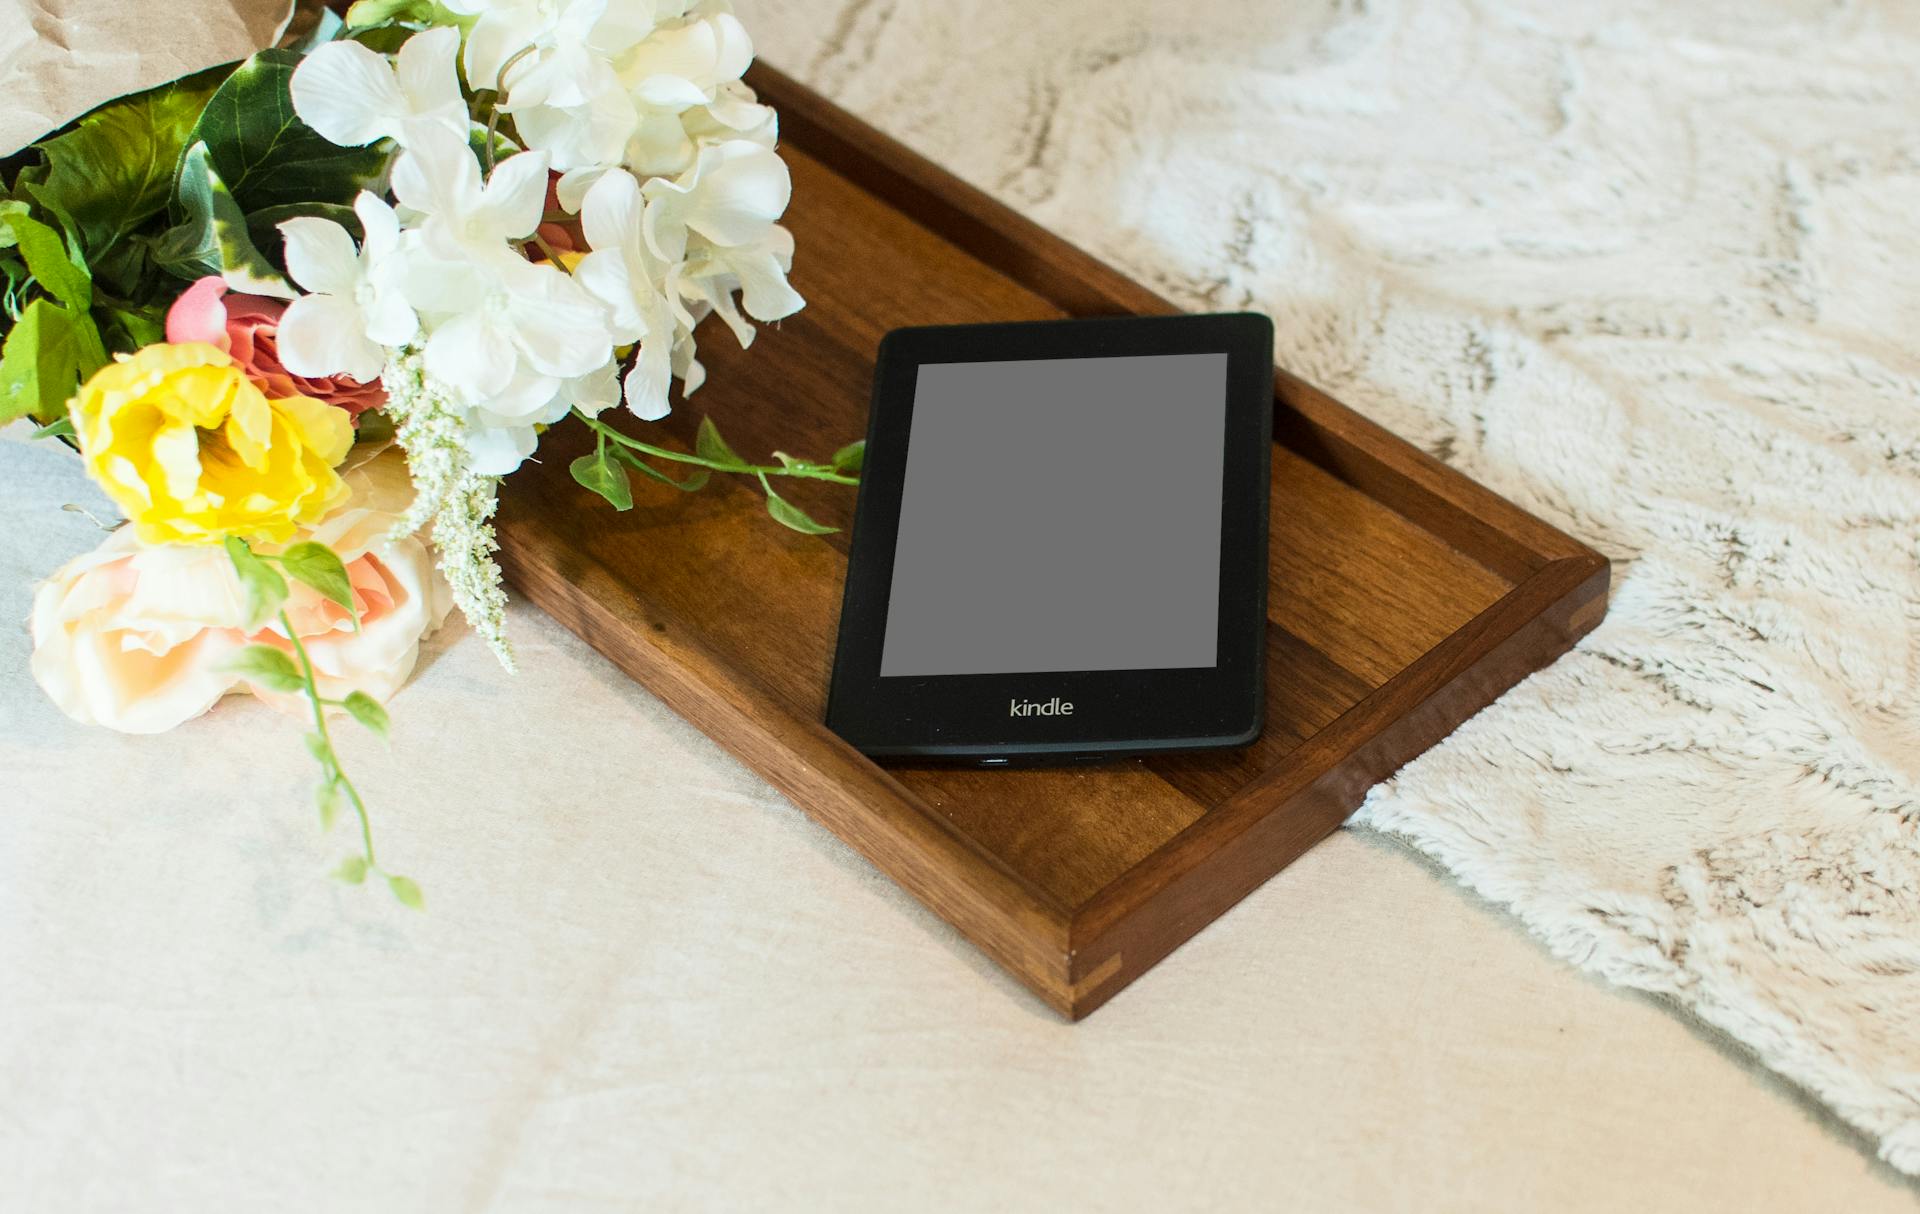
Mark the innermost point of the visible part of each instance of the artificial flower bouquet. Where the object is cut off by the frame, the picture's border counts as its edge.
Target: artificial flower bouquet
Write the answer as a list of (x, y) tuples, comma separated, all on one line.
[(299, 315)]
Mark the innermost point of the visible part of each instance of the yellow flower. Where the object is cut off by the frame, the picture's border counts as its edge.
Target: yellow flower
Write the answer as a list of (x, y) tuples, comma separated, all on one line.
[(192, 450)]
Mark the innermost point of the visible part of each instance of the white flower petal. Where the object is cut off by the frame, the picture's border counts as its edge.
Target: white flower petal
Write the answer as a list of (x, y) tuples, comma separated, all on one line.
[(610, 212), (389, 319), (440, 287), (427, 75), (499, 450), (591, 135), (320, 335), (669, 92), (558, 327), (347, 93), (692, 374), (573, 187), (606, 276), (747, 117), (648, 381), (516, 195), (719, 296), (524, 399), (595, 392), (743, 189), (320, 255), (468, 354), (659, 147), (664, 223), (764, 291), (734, 50), (490, 43), (690, 52), (379, 226), (437, 175)]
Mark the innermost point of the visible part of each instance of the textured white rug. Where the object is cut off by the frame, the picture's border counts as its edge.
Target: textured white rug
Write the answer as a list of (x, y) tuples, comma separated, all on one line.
[(1651, 270)]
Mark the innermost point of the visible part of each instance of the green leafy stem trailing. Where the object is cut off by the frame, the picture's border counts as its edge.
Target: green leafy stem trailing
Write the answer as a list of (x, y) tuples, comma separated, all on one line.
[(319, 567), (605, 470)]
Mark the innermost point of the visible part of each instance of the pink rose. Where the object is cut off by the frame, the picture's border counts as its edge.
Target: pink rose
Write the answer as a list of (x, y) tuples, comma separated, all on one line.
[(247, 327), (137, 637)]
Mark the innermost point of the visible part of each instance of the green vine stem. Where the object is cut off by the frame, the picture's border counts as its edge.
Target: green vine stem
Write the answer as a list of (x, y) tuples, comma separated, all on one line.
[(263, 580), (802, 469), (493, 102), (323, 750)]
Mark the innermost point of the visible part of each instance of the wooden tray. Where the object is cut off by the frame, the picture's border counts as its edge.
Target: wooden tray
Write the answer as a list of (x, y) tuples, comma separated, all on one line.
[(1404, 596)]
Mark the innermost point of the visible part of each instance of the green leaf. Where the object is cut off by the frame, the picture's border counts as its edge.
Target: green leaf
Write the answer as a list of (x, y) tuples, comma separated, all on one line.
[(212, 236), (267, 666), (368, 711), (114, 169), (47, 260), (49, 350), (266, 590), (326, 799), (409, 893), (697, 479), (62, 428), (13, 291), (383, 39), (375, 427), (352, 870), (263, 226), (314, 564), (9, 207), (708, 444), (318, 747), (125, 329), (268, 157), (850, 457), (366, 13), (787, 514), (604, 477)]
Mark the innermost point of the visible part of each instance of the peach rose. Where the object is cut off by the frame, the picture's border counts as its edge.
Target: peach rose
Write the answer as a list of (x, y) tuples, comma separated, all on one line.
[(247, 327), (136, 637)]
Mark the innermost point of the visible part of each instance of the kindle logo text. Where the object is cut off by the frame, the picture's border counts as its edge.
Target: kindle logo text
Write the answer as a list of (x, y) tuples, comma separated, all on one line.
[(1056, 707)]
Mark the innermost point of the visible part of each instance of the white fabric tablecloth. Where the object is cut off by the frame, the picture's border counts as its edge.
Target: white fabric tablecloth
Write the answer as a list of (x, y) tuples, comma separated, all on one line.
[(645, 981)]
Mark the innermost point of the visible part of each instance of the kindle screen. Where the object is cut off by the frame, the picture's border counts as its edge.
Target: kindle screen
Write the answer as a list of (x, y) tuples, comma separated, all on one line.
[(1060, 515)]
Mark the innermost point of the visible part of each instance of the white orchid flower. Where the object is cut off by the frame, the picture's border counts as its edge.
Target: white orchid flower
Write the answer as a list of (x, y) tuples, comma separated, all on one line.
[(504, 332), (734, 113), (353, 96), (591, 135), (682, 67), (498, 442), (758, 271), (355, 310), (636, 286), (438, 180), (732, 196), (678, 81), (540, 52), (506, 335)]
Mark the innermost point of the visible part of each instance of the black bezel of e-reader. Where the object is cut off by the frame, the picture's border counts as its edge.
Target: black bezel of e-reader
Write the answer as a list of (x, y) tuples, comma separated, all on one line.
[(1116, 712)]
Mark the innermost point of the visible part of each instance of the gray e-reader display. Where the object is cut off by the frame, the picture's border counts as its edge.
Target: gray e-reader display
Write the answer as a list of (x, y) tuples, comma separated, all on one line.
[(1060, 544)]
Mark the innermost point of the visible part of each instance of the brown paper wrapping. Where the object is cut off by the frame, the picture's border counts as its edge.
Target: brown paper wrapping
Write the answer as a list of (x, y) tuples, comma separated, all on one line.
[(60, 58)]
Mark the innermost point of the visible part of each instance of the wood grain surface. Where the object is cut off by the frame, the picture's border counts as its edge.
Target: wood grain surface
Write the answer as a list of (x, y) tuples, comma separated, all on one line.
[(1403, 599)]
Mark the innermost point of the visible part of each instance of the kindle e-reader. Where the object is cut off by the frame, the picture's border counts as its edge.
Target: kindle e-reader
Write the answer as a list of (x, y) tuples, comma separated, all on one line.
[(1060, 545)]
